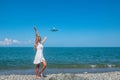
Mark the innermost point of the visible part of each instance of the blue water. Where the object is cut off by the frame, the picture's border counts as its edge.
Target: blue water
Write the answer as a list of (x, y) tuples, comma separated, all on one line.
[(12, 58)]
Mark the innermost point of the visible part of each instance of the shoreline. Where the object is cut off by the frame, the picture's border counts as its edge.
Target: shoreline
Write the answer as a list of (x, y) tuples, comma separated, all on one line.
[(59, 70), (66, 76)]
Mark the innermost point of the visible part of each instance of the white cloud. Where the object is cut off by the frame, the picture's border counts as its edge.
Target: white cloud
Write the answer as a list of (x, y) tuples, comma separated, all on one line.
[(15, 41), (28, 42), (8, 41)]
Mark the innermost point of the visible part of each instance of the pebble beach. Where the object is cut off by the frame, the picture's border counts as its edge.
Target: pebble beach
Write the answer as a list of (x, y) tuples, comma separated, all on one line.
[(66, 76)]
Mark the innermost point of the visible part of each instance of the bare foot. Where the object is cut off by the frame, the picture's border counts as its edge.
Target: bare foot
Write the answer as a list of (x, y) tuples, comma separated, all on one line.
[(41, 74), (38, 77)]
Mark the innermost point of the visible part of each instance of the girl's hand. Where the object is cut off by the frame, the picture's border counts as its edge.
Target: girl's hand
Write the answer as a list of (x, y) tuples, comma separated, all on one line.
[(35, 28)]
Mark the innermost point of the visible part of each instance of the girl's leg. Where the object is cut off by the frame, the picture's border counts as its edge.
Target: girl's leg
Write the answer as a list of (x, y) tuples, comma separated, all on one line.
[(43, 67), (37, 69)]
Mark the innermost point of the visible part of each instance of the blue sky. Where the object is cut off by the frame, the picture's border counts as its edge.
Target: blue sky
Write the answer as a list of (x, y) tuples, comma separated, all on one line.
[(80, 22)]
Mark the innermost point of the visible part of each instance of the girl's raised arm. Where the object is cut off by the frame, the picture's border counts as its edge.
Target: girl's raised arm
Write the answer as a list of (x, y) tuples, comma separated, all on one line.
[(44, 40), (37, 36), (36, 32)]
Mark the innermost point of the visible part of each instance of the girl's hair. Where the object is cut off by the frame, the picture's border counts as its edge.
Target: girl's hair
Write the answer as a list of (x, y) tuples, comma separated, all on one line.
[(39, 38)]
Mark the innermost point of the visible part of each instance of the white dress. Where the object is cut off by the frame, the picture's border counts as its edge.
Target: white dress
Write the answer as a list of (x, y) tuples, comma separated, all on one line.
[(39, 54)]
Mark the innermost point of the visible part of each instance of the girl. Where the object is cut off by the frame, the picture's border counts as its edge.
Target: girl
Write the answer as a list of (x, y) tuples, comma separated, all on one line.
[(39, 58)]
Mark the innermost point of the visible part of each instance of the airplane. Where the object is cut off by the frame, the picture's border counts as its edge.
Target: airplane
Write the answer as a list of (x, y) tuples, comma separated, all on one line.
[(54, 29)]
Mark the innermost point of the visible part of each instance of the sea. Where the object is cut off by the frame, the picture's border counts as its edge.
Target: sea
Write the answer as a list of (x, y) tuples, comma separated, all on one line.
[(15, 59)]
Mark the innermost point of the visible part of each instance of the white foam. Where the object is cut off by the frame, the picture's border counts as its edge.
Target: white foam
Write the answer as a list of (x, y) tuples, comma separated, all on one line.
[(93, 66), (110, 65)]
